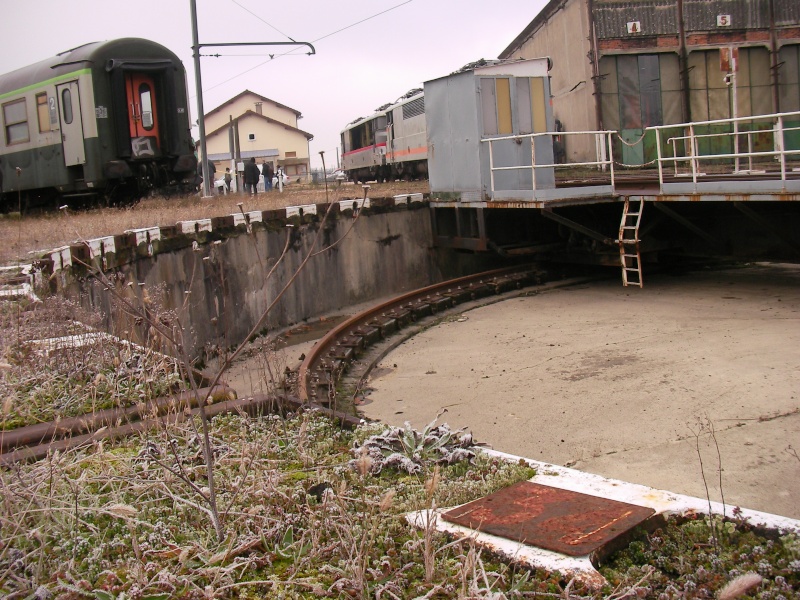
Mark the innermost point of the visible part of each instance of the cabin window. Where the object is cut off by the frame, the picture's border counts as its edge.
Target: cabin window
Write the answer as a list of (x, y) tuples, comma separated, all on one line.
[(488, 104), (146, 102), (15, 117), (43, 112), (496, 105), (381, 135), (531, 110), (66, 105), (503, 105)]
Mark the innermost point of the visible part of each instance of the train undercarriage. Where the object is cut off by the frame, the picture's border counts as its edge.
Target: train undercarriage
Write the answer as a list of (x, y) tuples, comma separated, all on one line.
[(402, 171)]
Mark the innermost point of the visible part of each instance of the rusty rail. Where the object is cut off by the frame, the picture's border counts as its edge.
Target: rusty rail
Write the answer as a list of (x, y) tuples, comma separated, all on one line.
[(331, 356), (31, 449)]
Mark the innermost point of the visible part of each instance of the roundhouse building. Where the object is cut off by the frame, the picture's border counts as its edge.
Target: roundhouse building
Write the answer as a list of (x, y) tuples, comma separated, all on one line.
[(628, 64)]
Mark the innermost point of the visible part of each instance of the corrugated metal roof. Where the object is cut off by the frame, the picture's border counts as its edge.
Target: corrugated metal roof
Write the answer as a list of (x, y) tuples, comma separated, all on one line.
[(787, 12), (701, 15), (657, 17)]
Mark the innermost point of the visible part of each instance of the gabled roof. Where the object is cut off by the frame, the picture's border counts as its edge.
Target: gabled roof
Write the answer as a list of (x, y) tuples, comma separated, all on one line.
[(262, 98), (252, 113)]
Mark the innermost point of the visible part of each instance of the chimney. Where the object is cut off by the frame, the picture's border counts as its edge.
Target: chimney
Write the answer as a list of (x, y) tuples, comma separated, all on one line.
[(258, 108)]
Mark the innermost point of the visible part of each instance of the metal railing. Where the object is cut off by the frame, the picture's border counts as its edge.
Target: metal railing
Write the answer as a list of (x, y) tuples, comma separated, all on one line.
[(687, 148), (758, 141), (604, 159)]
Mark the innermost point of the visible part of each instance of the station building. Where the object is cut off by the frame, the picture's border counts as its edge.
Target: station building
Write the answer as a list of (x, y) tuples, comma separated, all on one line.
[(253, 126), (625, 65)]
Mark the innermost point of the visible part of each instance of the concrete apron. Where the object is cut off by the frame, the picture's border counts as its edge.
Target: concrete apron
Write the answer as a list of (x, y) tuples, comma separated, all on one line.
[(597, 526)]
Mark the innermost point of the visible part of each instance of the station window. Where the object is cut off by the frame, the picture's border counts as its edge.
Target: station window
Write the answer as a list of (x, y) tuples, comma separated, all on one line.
[(43, 112), (15, 118), (146, 100), (292, 154), (66, 105)]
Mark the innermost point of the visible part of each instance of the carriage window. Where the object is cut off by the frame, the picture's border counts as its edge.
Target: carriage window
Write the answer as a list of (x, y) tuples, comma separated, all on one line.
[(66, 105), (15, 117), (43, 112), (146, 99)]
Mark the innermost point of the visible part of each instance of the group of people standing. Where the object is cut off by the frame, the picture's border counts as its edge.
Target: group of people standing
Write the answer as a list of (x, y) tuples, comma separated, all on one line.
[(252, 174)]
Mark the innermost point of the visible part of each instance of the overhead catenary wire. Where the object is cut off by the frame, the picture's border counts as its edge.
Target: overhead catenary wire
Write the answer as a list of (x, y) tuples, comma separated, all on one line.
[(257, 16), (289, 53)]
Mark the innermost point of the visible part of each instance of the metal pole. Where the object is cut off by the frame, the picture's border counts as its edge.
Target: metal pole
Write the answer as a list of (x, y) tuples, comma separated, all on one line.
[(735, 102), (232, 150), (199, 86), (196, 45)]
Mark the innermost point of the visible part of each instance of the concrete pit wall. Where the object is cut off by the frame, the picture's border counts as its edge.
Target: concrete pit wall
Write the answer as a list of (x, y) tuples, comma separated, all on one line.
[(214, 281)]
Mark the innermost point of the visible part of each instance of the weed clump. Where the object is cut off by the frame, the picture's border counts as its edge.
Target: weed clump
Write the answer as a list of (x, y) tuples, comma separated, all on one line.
[(411, 451)]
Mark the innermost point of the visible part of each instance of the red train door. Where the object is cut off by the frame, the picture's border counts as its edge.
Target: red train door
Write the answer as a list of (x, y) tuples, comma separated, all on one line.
[(142, 115)]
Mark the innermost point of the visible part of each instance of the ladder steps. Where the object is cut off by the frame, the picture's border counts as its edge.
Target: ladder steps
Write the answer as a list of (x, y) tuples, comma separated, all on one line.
[(629, 226)]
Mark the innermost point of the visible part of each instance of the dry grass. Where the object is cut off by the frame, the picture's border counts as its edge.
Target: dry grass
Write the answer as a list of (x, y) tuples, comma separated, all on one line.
[(37, 233)]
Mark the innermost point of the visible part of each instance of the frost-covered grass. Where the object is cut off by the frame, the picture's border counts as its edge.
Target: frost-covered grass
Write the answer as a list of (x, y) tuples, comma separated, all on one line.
[(301, 522), (40, 384), (304, 510)]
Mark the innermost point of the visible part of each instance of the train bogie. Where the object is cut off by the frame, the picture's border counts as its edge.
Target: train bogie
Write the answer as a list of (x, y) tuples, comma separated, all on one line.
[(106, 120)]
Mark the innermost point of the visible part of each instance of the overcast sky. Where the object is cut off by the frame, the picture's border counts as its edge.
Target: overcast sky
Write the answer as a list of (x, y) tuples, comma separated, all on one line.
[(364, 58)]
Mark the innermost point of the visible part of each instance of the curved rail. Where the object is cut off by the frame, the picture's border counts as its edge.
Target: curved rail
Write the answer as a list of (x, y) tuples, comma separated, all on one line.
[(331, 356)]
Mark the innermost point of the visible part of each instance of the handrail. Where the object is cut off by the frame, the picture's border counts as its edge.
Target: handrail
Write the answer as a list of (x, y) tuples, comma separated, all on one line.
[(603, 152), (691, 152), (693, 156)]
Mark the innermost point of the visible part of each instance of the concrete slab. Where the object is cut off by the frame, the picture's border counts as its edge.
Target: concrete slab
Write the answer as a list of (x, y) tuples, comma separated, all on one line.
[(625, 383), (581, 567)]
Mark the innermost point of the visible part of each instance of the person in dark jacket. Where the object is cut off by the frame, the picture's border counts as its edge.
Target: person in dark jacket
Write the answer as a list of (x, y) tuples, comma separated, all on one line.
[(266, 171), (251, 175)]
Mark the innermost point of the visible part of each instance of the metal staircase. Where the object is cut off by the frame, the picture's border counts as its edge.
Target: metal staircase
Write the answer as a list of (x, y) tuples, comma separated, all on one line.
[(630, 257)]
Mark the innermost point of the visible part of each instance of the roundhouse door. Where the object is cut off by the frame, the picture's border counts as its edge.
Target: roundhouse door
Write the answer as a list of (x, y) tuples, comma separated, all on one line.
[(142, 114), (69, 105)]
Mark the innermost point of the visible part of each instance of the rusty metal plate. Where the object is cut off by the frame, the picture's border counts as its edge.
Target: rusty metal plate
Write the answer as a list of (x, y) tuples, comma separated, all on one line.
[(568, 522)]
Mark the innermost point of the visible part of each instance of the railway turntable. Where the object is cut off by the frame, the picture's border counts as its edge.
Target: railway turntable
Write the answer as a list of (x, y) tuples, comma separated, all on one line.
[(499, 182)]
